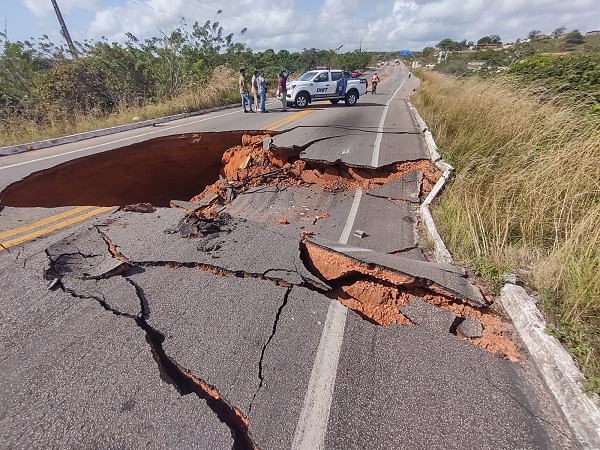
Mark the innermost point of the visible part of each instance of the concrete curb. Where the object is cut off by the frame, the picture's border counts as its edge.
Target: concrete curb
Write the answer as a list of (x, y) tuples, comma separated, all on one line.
[(21, 148), (440, 251), (553, 362)]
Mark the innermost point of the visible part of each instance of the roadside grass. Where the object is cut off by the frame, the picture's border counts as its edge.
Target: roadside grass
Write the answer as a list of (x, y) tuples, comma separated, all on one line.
[(525, 197), (222, 91)]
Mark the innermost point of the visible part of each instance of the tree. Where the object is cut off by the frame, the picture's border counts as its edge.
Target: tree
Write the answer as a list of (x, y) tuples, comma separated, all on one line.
[(428, 51), (445, 44), (574, 37), (492, 39), (558, 32), (533, 34)]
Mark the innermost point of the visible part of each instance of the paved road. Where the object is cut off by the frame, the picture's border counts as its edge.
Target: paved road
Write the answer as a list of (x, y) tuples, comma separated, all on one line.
[(232, 338)]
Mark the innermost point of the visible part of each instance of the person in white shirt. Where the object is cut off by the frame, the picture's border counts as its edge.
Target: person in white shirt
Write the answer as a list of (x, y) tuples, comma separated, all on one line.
[(261, 85), (254, 89)]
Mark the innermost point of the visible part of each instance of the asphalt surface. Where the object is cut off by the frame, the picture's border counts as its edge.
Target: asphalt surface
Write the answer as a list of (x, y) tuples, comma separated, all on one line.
[(165, 345)]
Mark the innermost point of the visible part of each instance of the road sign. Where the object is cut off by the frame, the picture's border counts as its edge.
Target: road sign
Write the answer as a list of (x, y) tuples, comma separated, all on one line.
[(404, 52)]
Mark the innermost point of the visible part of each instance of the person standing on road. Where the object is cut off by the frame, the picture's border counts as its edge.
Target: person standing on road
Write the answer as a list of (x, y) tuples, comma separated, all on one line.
[(244, 92), (254, 89), (282, 89), (409, 75), (261, 85)]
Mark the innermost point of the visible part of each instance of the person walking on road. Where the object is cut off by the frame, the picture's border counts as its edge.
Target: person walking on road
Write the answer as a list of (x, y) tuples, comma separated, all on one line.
[(282, 89), (254, 89), (409, 75), (244, 92), (261, 86)]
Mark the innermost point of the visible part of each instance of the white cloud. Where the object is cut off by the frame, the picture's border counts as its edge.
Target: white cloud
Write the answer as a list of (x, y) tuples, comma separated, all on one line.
[(42, 8), (293, 25)]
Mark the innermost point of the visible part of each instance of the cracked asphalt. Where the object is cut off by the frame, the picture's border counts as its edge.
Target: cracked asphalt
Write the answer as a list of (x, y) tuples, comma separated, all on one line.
[(151, 339)]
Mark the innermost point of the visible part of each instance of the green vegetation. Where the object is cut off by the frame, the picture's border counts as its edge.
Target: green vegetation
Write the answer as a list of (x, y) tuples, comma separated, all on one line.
[(44, 92), (526, 192), (498, 57)]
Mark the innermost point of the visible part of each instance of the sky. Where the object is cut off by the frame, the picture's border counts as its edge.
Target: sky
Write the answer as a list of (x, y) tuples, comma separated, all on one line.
[(373, 25)]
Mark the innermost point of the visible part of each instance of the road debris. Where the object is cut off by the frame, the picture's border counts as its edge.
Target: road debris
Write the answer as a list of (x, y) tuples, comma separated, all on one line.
[(322, 216), (140, 208), (360, 234), (282, 221), (469, 328)]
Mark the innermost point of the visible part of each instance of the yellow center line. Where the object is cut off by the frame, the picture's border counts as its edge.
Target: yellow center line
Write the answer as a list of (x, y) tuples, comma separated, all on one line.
[(287, 119), (43, 222), (57, 226)]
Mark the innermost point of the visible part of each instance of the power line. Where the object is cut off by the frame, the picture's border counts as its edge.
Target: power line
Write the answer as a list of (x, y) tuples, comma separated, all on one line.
[(155, 9)]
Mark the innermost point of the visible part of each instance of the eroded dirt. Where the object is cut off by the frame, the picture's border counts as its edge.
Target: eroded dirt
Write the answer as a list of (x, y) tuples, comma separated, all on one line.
[(376, 294), (249, 165)]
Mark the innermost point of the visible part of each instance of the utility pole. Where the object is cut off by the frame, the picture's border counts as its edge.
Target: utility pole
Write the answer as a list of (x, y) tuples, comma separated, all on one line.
[(65, 31), (360, 45)]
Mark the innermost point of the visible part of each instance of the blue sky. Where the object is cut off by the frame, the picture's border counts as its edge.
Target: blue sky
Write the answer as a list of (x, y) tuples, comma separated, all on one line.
[(295, 24)]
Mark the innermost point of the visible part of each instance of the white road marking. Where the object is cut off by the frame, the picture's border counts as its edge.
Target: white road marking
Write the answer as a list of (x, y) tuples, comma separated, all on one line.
[(351, 217), (120, 140), (350, 249), (314, 417), (375, 159)]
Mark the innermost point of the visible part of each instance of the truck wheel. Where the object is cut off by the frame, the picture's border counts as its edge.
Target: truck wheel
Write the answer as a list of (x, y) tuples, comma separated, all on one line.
[(351, 98), (301, 101), (335, 102)]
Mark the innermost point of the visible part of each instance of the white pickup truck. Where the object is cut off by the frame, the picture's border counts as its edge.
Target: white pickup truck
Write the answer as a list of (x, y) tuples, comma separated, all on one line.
[(325, 84)]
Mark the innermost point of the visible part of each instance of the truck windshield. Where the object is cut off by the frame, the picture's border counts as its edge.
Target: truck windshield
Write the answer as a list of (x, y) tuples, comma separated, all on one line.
[(308, 76)]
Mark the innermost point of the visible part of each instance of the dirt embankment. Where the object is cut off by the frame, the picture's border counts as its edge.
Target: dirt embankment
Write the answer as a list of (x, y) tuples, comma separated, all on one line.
[(249, 165)]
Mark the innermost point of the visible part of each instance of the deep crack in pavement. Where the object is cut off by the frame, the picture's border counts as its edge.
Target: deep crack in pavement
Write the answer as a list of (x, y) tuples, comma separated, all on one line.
[(70, 267)]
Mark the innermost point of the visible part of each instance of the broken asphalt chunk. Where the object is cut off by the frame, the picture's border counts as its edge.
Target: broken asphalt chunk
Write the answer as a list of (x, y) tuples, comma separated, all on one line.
[(441, 278), (140, 208), (191, 207), (406, 188), (239, 242), (469, 328), (420, 312), (360, 234)]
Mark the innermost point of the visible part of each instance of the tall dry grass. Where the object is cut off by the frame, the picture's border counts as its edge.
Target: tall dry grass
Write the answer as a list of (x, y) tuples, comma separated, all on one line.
[(526, 196), (222, 90)]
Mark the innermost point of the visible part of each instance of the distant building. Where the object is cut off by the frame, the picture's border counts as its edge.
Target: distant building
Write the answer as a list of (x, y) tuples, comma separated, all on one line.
[(593, 33), (476, 65), (486, 46)]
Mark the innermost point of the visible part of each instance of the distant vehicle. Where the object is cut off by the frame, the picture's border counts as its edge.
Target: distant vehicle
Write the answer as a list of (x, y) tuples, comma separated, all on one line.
[(356, 73), (327, 84), (430, 66)]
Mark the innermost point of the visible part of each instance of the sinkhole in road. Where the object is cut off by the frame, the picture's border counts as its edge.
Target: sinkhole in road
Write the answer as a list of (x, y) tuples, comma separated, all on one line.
[(190, 166)]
